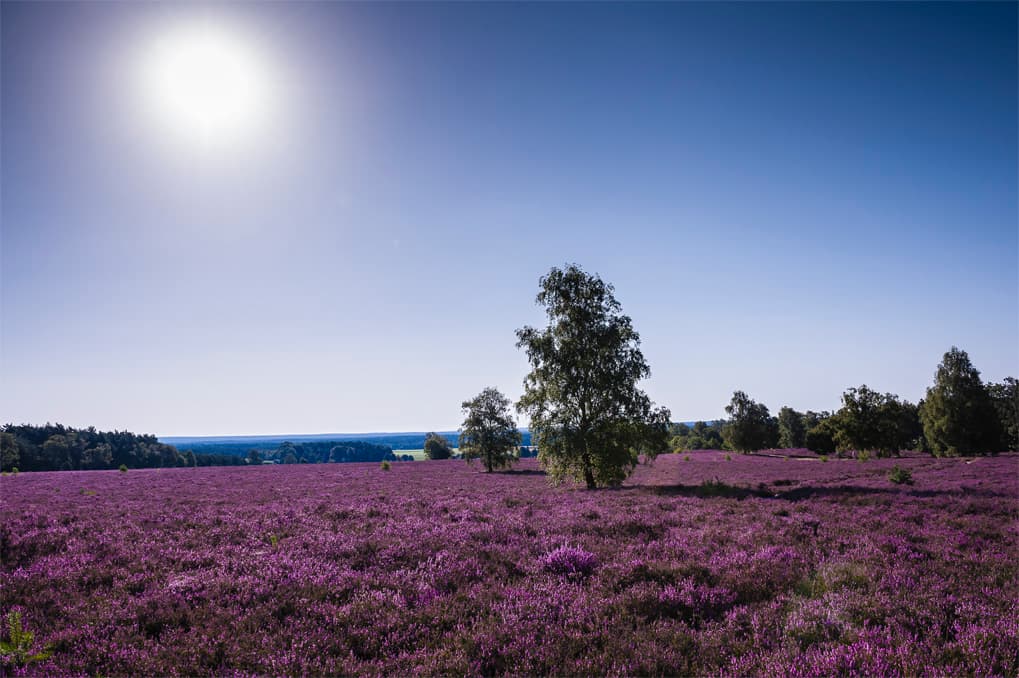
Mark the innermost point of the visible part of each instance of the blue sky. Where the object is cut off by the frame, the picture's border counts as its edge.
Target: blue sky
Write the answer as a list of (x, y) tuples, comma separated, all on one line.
[(790, 199)]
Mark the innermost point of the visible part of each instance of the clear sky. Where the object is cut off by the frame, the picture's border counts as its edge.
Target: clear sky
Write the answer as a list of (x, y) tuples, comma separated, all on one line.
[(790, 199)]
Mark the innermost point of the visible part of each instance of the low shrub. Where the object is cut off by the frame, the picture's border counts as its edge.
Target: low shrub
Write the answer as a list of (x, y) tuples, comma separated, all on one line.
[(571, 561), (385, 466), (18, 648), (123, 468), (900, 476)]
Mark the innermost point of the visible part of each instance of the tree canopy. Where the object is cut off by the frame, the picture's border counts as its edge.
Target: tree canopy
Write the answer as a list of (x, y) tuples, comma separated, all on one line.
[(1005, 397), (750, 426), (792, 429), (958, 413), (588, 416), (488, 432), (874, 422), (700, 436), (437, 446)]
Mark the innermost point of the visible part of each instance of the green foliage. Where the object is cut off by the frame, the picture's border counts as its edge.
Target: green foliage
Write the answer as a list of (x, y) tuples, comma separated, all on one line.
[(589, 418), (874, 422), (123, 468), (863, 455), (958, 413), (437, 447), (750, 426), (488, 432), (385, 466), (1005, 397), (10, 451), (899, 475), (824, 458), (701, 436), (792, 430), (17, 649), (14, 471), (820, 438), (55, 447)]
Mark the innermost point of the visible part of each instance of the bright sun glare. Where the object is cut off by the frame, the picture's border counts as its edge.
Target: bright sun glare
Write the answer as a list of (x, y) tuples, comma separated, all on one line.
[(205, 83)]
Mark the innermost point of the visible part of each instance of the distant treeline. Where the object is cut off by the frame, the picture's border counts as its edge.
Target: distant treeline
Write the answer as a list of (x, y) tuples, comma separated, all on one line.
[(54, 447), (322, 452), (242, 446), (959, 415)]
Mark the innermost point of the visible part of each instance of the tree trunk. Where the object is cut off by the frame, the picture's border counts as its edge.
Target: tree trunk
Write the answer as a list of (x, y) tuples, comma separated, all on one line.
[(588, 471)]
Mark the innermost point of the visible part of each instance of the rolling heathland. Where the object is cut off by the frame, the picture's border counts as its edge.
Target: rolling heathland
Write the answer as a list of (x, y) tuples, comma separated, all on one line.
[(695, 566)]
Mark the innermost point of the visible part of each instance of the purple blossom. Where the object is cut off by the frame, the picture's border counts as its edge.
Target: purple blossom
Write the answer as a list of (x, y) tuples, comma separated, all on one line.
[(803, 568)]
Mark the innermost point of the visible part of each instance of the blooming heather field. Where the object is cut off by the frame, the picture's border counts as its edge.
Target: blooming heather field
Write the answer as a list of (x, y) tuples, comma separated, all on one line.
[(781, 567)]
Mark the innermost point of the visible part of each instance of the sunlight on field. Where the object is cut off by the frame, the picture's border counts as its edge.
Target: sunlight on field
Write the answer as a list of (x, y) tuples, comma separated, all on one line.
[(419, 455)]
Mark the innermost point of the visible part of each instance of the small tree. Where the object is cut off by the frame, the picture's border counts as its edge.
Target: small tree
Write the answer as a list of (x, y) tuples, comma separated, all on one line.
[(589, 418), (254, 456), (820, 439), (750, 426), (791, 430), (10, 451), (874, 422), (958, 413), (437, 447), (489, 432), (1005, 397)]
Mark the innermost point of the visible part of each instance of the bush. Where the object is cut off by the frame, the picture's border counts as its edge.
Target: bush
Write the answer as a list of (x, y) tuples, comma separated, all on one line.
[(900, 476), (824, 457), (863, 455), (385, 466), (686, 457), (570, 561), (18, 649), (437, 447), (123, 468), (14, 470), (728, 457)]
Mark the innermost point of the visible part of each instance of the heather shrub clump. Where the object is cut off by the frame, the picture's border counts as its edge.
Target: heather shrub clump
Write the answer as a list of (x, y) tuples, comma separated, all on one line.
[(570, 561)]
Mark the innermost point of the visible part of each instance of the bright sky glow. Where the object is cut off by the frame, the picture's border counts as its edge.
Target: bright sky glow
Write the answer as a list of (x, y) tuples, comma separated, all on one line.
[(205, 83)]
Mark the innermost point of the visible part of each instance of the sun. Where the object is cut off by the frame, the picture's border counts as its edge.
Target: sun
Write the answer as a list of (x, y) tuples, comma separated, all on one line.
[(205, 84)]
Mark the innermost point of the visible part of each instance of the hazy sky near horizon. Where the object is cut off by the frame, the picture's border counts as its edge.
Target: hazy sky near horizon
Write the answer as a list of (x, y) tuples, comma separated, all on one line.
[(790, 199)]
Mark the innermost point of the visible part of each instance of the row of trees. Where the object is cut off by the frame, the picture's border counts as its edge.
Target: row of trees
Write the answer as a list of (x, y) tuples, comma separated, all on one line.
[(55, 447), (959, 415), (592, 423), (322, 452)]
